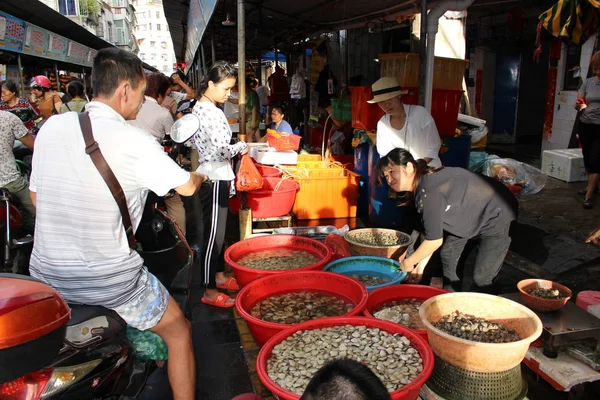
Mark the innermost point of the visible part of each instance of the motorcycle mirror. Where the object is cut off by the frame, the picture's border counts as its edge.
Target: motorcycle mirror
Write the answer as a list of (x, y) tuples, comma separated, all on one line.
[(184, 128)]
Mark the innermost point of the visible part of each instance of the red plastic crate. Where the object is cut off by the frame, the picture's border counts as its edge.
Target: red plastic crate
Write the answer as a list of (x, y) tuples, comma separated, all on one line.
[(364, 115), (286, 142), (445, 105)]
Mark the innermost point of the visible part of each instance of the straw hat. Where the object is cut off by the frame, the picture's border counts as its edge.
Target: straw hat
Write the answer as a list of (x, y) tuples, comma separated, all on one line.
[(386, 88)]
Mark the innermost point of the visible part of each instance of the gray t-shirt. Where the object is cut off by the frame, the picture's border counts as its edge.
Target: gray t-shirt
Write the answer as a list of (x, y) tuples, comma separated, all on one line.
[(463, 203), (591, 93), (11, 129)]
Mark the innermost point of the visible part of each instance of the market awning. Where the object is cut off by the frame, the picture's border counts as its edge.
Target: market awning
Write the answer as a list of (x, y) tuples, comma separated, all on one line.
[(37, 13), (270, 23), (572, 20)]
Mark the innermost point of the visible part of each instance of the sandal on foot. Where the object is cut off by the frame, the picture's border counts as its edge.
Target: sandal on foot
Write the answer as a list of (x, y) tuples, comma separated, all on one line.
[(221, 300), (583, 191), (587, 204), (230, 284)]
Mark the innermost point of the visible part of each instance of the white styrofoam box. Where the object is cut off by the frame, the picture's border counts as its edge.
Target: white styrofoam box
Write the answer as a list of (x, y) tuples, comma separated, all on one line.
[(564, 164), (269, 156)]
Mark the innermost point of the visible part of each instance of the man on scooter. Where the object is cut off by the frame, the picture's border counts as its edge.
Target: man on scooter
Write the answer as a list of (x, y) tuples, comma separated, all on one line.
[(81, 248)]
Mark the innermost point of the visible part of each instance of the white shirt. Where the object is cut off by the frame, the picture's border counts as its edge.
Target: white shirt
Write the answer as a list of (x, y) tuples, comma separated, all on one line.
[(178, 96), (80, 247), (153, 118), (212, 141), (419, 135)]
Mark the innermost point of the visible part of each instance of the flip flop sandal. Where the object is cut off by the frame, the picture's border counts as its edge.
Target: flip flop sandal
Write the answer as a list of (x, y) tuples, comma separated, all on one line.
[(220, 300), (230, 284), (588, 204)]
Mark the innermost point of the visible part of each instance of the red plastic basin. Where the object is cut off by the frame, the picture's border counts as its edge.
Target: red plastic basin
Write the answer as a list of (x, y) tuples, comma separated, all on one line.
[(266, 171), (408, 392), (245, 275), (267, 202), (328, 283), (388, 294)]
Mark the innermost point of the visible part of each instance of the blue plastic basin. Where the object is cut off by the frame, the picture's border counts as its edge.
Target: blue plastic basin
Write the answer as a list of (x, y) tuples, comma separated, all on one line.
[(371, 266)]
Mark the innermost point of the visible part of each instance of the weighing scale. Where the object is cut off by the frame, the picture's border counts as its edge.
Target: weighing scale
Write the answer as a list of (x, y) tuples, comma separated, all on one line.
[(570, 328)]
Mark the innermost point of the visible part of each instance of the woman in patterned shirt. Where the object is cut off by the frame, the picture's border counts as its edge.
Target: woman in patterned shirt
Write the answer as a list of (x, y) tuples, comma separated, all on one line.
[(215, 152), (22, 108)]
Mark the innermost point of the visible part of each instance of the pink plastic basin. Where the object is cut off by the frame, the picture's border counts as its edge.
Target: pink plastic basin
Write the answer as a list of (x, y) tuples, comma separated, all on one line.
[(268, 202), (408, 392), (245, 275), (340, 286)]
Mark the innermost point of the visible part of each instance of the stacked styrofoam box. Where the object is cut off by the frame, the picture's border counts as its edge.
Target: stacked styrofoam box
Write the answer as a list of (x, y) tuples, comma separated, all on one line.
[(566, 165)]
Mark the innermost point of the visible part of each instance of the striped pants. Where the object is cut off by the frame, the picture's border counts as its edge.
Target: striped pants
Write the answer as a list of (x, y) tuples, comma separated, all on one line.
[(214, 197)]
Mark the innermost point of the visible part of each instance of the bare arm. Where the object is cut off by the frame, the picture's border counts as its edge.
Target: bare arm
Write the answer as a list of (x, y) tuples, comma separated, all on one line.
[(425, 250), (190, 93), (57, 103), (580, 103), (33, 197), (28, 140), (193, 185)]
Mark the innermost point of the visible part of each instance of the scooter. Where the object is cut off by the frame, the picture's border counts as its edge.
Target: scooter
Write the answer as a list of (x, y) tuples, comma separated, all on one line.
[(42, 356)]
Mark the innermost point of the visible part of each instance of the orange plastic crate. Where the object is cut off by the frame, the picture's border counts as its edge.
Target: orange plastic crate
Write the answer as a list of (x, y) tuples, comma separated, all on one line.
[(327, 196)]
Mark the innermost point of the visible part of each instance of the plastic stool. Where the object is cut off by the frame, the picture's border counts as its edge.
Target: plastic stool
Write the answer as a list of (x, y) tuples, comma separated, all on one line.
[(588, 298)]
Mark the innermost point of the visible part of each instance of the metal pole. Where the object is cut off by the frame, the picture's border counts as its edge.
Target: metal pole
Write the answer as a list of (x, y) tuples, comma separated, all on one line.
[(84, 83), (21, 83), (423, 52), (203, 69), (212, 49), (241, 24), (56, 72)]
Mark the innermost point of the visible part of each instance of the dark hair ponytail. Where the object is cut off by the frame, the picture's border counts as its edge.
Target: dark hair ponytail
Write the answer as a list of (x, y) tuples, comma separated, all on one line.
[(220, 71), (11, 86), (401, 158)]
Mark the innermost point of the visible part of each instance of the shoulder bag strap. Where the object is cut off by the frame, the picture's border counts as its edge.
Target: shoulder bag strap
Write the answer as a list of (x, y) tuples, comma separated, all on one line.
[(92, 149)]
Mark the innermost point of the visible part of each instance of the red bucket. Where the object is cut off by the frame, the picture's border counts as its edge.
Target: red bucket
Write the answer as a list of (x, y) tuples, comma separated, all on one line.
[(340, 286), (245, 275), (268, 202), (268, 172), (388, 294), (408, 392)]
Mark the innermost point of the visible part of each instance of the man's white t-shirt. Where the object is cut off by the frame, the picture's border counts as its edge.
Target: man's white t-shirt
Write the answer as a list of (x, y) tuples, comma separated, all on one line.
[(419, 135), (153, 118), (80, 246)]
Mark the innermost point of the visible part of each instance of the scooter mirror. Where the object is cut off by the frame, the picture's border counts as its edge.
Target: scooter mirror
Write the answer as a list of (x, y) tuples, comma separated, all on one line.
[(184, 128)]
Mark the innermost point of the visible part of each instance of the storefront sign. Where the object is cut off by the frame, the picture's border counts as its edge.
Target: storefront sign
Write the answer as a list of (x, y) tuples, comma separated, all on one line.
[(36, 41), (12, 33), (20, 36)]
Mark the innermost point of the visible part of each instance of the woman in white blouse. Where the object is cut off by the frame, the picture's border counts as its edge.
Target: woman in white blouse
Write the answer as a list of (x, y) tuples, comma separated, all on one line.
[(215, 152), (404, 126)]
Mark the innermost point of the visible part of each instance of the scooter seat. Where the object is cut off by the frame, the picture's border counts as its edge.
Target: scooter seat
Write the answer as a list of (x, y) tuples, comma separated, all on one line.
[(92, 324)]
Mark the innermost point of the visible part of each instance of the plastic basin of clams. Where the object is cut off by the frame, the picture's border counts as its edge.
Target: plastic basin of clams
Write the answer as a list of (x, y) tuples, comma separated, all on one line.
[(409, 391), (277, 244), (338, 286), (388, 294), (371, 266), (479, 356)]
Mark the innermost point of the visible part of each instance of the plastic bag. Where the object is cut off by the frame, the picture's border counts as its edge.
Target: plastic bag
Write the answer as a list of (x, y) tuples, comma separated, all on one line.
[(519, 177), (248, 178), (147, 345), (338, 245)]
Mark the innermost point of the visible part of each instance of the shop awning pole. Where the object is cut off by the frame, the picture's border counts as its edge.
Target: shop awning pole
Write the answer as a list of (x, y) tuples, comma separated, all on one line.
[(423, 53), (241, 25), (212, 49), (21, 83), (203, 69), (56, 72)]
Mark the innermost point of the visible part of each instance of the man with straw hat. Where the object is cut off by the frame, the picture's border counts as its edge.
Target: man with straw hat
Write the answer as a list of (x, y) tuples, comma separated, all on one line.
[(410, 127)]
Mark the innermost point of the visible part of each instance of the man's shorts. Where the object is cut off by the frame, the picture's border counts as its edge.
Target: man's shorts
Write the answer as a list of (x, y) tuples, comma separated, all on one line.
[(145, 310)]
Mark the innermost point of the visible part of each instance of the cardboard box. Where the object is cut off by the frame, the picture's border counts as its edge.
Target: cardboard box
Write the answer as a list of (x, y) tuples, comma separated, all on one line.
[(566, 165)]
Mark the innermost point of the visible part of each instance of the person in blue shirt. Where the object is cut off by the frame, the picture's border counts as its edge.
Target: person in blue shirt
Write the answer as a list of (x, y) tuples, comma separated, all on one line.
[(279, 124)]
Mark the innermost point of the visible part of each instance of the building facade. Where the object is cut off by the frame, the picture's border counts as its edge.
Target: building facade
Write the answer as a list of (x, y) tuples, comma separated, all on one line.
[(153, 36), (111, 20)]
